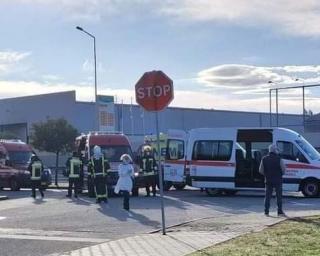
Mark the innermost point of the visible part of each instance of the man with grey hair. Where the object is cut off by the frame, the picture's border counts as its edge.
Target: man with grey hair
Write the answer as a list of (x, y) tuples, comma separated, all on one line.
[(273, 168)]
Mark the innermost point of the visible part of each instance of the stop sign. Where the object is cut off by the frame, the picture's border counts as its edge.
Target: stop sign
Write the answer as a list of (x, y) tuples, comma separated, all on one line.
[(154, 91)]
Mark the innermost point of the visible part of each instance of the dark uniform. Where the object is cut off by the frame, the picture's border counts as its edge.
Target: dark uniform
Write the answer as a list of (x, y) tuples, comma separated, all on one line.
[(148, 167), (74, 169), (36, 168), (98, 170), (273, 168)]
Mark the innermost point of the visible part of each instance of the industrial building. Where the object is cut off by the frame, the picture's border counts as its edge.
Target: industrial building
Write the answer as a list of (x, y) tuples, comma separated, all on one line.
[(18, 114)]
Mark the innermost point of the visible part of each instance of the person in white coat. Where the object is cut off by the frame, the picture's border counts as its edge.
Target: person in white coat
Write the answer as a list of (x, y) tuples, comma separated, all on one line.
[(124, 184)]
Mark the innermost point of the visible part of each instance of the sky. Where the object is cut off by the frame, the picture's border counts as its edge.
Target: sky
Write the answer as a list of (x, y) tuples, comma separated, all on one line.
[(220, 54)]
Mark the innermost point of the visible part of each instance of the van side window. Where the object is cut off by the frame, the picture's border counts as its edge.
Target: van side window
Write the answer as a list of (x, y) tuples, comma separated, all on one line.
[(175, 149), (212, 150), (290, 151)]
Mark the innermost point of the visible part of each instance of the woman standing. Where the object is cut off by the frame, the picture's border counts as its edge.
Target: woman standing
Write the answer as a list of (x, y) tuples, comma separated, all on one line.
[(124, 184)]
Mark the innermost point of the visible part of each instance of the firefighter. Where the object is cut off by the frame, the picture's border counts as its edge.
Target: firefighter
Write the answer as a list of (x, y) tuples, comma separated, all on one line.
[(74, 167), (36, 168), (98, 167), (148, 167)]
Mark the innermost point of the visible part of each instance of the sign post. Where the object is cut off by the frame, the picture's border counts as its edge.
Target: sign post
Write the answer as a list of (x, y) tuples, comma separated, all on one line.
[(154, 92)]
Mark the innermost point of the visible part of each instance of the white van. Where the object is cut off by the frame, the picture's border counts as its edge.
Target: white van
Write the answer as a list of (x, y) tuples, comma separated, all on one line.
[(227, 159), (174, 164)]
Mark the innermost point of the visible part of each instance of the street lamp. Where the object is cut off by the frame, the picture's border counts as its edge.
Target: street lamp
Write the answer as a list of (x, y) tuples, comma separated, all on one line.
[(97, 122)]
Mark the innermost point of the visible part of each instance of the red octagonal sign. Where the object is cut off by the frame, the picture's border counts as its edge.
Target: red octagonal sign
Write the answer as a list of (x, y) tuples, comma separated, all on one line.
[(154, 91)]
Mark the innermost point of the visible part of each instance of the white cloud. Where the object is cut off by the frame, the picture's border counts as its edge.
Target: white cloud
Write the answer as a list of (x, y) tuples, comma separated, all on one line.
[(244, 78), (9, 59), (297, 18), (291, 17)]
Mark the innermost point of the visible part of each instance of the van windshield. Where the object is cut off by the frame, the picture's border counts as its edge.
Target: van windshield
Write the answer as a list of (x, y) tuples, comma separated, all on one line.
[(20, 157), (113, 153), (308, 149)]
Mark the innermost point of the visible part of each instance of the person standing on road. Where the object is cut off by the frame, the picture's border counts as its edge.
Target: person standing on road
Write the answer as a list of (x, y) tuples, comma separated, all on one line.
[(74, 167), (98, 168), (124, 184), (148, 166), (273, 168), (36, 168)]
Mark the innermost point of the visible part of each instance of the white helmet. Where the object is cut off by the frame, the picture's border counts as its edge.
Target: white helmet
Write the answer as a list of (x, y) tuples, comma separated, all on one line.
[(97, 151)]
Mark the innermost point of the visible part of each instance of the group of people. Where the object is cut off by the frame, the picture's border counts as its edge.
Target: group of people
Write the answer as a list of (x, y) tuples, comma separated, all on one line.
[(98, 167), (271, 166)]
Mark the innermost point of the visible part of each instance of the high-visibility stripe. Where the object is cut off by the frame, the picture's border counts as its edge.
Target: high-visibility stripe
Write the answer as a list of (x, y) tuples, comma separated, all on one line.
[(103, 168), (75, 164), (36, 171)]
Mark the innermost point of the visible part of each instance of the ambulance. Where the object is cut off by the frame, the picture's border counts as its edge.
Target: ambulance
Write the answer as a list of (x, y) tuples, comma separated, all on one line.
[(227, 160), (174, 164), (113, 145)]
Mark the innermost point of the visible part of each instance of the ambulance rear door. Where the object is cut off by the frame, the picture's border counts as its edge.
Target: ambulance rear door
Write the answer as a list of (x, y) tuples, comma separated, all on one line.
[(175, 156)]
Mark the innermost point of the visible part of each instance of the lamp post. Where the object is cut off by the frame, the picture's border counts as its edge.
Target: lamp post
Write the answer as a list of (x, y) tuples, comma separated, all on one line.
[(97, 121)]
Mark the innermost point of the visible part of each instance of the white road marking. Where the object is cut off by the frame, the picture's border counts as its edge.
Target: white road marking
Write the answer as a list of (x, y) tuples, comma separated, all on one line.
[(2, 218), (55, 238)]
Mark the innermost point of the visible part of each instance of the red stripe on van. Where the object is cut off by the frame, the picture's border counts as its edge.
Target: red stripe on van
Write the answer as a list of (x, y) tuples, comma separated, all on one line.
[(212, 163), (175, 161), (301, 166)]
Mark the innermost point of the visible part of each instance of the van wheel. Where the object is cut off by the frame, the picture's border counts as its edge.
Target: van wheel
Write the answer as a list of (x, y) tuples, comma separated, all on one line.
[(310, 188), (230, 192), (213, 191), (179, 186), (14, 186)]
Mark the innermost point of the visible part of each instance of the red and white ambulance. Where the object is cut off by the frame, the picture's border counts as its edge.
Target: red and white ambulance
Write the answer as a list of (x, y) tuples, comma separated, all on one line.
[(227, 159), (113, 145)]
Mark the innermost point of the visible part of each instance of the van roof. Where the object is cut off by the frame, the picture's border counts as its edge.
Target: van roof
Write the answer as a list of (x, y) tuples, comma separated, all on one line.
[(15, 145), (108, 139)]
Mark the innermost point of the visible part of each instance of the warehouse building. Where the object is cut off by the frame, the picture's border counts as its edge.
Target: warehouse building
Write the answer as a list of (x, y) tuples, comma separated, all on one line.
[(18, 114)]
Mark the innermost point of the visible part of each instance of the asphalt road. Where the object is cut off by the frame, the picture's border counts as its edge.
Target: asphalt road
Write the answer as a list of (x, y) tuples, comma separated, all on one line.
[(58, 224)]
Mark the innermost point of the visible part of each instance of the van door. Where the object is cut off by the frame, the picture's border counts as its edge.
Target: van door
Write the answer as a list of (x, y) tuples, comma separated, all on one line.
[(175, 159), (252, 145)]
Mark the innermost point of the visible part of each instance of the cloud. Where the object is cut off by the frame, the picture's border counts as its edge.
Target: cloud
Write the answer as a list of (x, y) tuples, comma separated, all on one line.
[(10, 59), (298, 18), (245, 79)]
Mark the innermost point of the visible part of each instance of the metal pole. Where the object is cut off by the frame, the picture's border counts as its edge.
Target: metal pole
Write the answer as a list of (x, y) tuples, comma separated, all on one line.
[(270, 109), (95, 85), (160, 175), (303, 106), (277, 107)]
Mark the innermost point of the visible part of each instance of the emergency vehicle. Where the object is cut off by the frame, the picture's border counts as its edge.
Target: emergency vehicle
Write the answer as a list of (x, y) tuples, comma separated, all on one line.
[(113, 146), (172, 157), (174, 164), (228, 159), (15, 156)]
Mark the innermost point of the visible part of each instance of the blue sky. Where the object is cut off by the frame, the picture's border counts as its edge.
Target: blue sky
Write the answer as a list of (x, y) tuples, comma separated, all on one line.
[(219, 53)]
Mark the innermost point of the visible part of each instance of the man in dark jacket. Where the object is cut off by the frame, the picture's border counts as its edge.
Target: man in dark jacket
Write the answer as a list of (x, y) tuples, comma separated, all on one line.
[(36, 168), (273, 168), (74, 168)]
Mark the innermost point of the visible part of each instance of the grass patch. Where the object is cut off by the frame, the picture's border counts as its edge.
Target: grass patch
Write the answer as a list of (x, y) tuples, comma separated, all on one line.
[(293, 237)]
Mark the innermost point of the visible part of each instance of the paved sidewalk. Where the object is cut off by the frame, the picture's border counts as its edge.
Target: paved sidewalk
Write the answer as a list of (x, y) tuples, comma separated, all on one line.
[(186, 238)]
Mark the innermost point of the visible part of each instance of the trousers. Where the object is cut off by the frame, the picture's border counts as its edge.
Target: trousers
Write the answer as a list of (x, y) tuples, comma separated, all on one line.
[(268, 195)]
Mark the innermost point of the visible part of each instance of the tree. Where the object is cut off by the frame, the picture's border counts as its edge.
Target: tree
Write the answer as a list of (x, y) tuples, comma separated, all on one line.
[(54, 135)]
